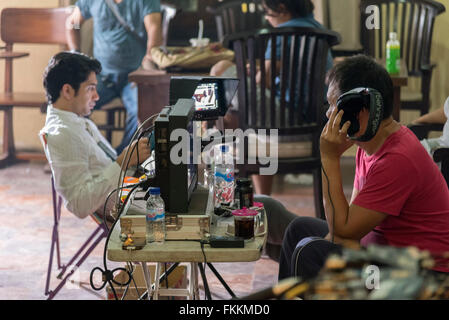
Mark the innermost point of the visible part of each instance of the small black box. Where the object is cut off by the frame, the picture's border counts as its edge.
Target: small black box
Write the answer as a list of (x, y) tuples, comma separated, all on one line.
[(226, 242)]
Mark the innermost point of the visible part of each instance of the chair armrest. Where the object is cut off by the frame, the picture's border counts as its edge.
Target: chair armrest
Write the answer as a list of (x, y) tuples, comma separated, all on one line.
[(13, 55), (422, 130), (441, 154), (428, 67)]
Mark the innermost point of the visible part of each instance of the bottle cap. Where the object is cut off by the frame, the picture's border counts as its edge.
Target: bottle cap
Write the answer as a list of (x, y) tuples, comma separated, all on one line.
[(155, 190), (258, 204), (224, 148), (245, 212), (243, 182), (393, 35)]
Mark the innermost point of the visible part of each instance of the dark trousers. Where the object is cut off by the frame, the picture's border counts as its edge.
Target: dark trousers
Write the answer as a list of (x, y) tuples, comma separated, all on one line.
[(285, 233), (304, 251)]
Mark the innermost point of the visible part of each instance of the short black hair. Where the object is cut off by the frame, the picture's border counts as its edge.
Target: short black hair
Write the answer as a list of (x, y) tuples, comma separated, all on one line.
[(68, 68), (297, 8), (363, 71)]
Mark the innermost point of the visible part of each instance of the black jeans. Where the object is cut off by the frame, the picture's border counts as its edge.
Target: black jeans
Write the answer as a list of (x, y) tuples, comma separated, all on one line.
[(304, 251), (285, 231)]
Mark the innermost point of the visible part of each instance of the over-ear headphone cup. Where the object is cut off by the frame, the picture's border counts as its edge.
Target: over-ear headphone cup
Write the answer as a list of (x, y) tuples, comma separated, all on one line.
[(353, 128)]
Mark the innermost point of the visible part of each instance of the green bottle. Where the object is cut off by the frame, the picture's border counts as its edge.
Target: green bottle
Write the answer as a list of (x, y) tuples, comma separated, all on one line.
[(393, 54)]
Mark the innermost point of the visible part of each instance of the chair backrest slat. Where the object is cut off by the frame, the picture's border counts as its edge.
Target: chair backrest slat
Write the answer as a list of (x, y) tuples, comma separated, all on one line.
[(285, 65), (238, 16), (34, 25), (412, 20), (263, 78), (294, 59), (251, 48), (294, 81)]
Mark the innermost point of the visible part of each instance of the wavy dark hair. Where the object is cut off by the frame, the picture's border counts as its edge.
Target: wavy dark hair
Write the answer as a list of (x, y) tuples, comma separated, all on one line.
[(297, 8), (68, 67)]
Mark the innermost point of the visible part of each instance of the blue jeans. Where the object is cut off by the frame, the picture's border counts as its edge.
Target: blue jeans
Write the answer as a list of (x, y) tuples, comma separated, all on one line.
[(116, 85)]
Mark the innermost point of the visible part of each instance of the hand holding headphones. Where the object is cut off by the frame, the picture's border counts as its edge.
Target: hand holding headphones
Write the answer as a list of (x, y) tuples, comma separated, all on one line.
[(334, 140)]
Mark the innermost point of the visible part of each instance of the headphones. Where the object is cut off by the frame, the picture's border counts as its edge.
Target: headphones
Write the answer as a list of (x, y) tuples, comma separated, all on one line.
[(352, 102)]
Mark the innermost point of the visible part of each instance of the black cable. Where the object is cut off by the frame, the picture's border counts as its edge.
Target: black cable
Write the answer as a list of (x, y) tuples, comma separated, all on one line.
[(148, 164), (132, 270), (107, 200), (135, 146), (108, 275), (332, 203)]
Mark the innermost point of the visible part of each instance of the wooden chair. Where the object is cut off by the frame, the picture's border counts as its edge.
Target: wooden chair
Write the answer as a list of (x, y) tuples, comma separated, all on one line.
[(237, 16), (413, 22), (24, 25), (296, 111), (68, 269)]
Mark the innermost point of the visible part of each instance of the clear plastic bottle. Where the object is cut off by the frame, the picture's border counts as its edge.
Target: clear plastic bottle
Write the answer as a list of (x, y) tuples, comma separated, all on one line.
[(223, 177), (393, 54), (155, 216)]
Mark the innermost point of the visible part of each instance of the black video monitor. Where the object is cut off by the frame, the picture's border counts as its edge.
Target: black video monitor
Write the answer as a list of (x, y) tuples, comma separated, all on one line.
[(212, 95)]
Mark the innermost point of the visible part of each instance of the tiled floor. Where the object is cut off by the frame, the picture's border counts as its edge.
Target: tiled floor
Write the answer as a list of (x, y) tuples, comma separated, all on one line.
[(26, 225)]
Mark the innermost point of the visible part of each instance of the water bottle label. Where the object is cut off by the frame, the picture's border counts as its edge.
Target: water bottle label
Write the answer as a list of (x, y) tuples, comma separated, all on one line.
[(151, 216), (160, 216), (229, 177)]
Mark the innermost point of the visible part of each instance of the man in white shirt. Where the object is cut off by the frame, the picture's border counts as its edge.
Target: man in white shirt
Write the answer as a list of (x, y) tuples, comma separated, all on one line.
[(85, 166)]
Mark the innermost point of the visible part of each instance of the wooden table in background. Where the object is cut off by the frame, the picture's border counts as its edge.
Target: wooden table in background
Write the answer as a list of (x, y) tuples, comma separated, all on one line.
[(153, 87), (153, 91)]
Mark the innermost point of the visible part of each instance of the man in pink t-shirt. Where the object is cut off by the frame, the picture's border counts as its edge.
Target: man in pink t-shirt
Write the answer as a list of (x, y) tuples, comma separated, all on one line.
[(402, 181), (399, 198)]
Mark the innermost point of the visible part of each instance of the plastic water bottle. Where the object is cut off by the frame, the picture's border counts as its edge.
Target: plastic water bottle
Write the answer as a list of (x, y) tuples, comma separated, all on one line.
[(224, 177), (155, 216), (393, 55)]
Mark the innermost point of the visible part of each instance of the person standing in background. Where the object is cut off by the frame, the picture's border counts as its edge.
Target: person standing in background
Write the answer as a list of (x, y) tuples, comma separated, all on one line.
[(119, 50)]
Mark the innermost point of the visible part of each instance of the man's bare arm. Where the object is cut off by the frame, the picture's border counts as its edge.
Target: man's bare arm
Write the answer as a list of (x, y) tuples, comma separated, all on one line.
[(153, 27), (73, 29)]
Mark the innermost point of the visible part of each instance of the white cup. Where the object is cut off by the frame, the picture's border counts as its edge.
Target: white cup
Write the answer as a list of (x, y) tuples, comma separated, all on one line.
[(195, 42)]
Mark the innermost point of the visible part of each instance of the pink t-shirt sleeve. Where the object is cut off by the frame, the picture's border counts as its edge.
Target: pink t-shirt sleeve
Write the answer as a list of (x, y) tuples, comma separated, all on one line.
[(385, 185)]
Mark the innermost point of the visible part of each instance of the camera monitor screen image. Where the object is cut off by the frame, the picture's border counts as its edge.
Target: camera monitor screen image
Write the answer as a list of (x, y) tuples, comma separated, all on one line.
[(205, 96)]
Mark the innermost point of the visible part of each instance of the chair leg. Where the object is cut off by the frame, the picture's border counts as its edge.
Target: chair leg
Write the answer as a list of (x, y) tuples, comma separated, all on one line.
[(110, 122), (102, 235), (99, 233), (54, 238), (80, 250), (8, 153)]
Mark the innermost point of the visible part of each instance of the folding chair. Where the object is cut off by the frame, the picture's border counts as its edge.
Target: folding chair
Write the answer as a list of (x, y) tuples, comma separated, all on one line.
[(79, 257)]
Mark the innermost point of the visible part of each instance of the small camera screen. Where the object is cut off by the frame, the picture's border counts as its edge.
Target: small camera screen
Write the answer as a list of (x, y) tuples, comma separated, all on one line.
[(205, 96)]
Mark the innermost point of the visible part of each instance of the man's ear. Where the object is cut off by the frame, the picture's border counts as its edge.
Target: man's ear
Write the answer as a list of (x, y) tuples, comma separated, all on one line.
[(67, 91)]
